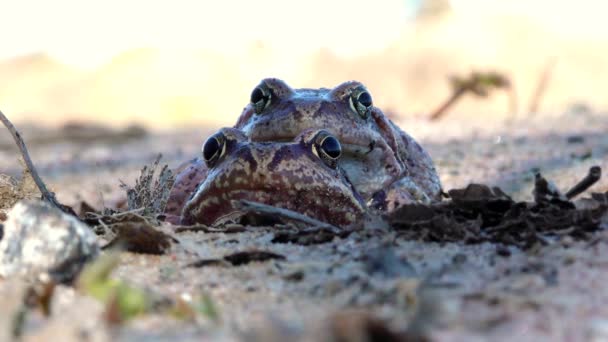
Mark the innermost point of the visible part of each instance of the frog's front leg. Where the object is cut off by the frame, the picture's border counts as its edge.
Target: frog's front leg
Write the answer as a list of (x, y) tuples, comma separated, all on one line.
[(402, 192), (188, 177)]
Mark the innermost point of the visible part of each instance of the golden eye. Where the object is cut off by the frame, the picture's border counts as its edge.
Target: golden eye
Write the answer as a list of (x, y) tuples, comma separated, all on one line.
[(260, 98), (213, 148), (328, 149), (362, 102)]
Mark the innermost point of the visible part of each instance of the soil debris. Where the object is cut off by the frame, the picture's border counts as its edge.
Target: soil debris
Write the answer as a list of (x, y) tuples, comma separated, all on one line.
[(239, 258), (479, 213), (242, 258), (309, 237), (226, 229)]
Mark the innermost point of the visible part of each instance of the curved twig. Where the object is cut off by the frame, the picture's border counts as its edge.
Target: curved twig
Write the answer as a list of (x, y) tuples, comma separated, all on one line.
[(256, 207), (46, 194), (594, 175)]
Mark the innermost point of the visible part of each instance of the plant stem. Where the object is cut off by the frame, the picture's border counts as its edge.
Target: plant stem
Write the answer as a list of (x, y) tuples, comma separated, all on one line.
[(46, 194)]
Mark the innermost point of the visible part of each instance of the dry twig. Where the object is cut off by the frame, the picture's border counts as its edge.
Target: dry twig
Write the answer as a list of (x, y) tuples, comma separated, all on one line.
[(260, 208), (46, 194), (541, 87), (595, 173), (477, 83)]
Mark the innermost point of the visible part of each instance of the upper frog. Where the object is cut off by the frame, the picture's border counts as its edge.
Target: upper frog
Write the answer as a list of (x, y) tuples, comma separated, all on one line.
[(301, 175), (377, 154), (384, 164)]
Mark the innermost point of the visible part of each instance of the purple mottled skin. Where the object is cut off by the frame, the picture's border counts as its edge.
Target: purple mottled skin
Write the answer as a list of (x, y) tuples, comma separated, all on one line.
[(386, 166), (291, 175)]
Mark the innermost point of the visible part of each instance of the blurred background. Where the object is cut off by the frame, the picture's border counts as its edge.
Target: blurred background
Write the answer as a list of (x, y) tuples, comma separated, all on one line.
[(172, 64)]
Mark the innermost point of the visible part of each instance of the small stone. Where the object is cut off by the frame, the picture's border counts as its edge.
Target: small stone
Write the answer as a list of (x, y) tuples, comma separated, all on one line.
[(39, 238), (385, 262)]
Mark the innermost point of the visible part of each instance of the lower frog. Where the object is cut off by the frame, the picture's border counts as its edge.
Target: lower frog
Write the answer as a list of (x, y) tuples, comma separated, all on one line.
[(301, 175)]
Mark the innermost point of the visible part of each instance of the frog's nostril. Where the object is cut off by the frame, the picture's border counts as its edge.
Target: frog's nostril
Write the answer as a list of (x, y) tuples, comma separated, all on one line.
[(371, 145)]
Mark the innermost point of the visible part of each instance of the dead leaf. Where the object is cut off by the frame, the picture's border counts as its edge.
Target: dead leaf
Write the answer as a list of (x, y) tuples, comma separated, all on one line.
[(140, 237)]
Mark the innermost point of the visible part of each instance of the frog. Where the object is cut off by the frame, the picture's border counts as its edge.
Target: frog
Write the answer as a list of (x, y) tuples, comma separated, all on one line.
[(301, 175), (385, 165)]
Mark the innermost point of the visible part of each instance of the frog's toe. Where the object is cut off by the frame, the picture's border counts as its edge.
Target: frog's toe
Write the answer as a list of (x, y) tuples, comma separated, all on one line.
[(401, 193)]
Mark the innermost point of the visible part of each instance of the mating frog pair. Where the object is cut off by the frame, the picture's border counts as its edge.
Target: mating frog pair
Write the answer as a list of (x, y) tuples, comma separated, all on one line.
[(326, 153)]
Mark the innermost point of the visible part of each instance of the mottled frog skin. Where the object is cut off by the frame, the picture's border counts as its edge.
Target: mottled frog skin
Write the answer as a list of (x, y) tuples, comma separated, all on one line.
[(301, 175), (386, 166)]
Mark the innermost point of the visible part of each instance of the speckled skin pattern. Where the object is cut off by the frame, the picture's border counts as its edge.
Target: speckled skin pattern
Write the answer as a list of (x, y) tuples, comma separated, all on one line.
[(385, 165), (288, 175)]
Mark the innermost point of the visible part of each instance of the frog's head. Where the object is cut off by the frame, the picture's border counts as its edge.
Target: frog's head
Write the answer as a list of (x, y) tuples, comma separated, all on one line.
[(301, 175)]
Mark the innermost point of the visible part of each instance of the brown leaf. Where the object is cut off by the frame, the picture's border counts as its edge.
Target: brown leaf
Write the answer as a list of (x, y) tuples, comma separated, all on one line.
[(140, 237)]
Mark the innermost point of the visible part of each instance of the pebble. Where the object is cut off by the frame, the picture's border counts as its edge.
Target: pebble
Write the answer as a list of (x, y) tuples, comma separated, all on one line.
[(40, 239)]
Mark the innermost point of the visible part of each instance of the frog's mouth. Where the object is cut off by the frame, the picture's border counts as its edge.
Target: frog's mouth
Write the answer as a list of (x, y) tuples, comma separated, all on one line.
[(217, 208)]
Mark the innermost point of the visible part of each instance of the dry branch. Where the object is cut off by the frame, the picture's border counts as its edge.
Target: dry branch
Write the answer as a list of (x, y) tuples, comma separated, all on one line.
[(46, 194), (477, 83), (541, 87), (594, 175), (260, 208)]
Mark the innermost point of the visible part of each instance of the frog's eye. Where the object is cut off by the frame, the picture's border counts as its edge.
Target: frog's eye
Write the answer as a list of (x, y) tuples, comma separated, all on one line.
[(214, 148), (260, 98), (362, 102), (328, 149)]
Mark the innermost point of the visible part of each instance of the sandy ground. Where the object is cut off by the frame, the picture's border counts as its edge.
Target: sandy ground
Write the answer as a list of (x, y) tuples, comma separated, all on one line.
[(452, 292)]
